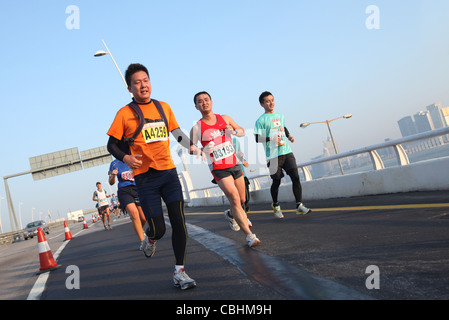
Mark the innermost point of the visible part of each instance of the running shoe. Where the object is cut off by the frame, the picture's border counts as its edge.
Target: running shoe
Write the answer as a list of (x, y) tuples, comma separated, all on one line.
[(182, 280), (232, 223), (109, 226), (249, 223), (302, 209), (252, 240), (277, 211), (148, 248)]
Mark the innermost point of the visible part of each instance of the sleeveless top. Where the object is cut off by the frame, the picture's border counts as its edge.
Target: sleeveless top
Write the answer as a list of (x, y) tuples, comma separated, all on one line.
[(102, 199), (223, 154)]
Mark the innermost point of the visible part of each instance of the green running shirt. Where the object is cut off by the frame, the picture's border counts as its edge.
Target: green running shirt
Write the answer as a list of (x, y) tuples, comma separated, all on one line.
[(272, 125)]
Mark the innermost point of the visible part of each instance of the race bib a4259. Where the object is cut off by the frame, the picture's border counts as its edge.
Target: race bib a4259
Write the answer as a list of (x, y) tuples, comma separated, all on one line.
[(154, 131)]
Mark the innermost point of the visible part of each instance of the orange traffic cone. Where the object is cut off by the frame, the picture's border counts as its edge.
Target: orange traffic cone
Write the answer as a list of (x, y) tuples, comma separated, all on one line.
[(68, 235), (46, 259), (85, 223), (93, 219)]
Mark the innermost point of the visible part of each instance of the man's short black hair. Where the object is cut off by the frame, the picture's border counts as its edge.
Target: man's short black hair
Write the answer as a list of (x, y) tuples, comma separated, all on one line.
[(199, 93), (133, 68), (263, 96)]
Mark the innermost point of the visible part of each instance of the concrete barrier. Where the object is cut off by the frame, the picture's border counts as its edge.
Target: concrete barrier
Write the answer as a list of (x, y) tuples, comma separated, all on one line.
[(430, 175)]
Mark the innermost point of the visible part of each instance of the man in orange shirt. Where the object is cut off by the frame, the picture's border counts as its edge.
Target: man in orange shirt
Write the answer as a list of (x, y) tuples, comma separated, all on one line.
[(154, 171)]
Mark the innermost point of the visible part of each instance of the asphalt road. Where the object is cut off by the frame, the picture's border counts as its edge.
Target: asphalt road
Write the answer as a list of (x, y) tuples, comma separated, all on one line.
[(328, 254)]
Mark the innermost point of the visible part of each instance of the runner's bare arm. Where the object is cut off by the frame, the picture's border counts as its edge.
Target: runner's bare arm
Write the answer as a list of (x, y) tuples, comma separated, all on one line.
[(234, 127)]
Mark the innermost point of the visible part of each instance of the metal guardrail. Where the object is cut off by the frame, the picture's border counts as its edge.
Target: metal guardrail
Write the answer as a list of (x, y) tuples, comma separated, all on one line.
[(14, 236), (401, 155), (10, 237), (376, 160)]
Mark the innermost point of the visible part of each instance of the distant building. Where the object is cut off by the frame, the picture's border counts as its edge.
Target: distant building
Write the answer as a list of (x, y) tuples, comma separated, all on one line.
[(437, 115), (423, 121), (407, 126), (446, 115)]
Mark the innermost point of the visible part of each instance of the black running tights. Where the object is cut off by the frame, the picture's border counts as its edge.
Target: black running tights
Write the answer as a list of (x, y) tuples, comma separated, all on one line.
[(157, 229), (296, 186)]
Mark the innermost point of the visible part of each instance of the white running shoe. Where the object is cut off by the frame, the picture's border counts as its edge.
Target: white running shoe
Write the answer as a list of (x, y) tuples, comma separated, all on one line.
[(302, 209), (252, 240), (182, 280), (232, 223), (277, 211), (148, 248)]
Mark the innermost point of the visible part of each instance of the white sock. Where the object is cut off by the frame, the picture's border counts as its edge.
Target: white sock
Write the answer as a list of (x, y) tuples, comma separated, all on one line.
[(178, 268)]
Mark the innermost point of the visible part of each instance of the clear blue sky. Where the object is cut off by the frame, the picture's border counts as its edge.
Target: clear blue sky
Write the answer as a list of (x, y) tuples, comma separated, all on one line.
[(318, 58)]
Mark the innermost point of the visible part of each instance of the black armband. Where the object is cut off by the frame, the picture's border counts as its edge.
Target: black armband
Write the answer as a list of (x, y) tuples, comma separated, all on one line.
[(260, 138), (114, 149)]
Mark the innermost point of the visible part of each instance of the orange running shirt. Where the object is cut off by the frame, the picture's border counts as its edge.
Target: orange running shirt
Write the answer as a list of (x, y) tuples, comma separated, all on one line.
[(153, 143)]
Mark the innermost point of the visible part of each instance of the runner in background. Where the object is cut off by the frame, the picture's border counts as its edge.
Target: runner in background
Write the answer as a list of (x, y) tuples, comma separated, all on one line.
[(101, 197), (114, 204), (127, 196), (270, 130)]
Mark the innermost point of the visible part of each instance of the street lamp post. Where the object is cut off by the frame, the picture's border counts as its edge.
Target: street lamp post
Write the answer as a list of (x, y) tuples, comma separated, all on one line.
[(100, 53), (20, 214), (306, 124)]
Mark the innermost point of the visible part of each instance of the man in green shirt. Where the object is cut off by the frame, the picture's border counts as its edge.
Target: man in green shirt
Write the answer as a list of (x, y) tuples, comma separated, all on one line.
[(270, 130)]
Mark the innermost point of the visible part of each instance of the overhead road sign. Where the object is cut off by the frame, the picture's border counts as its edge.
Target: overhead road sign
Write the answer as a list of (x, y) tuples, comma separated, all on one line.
[(95, 157), (56, 163)]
